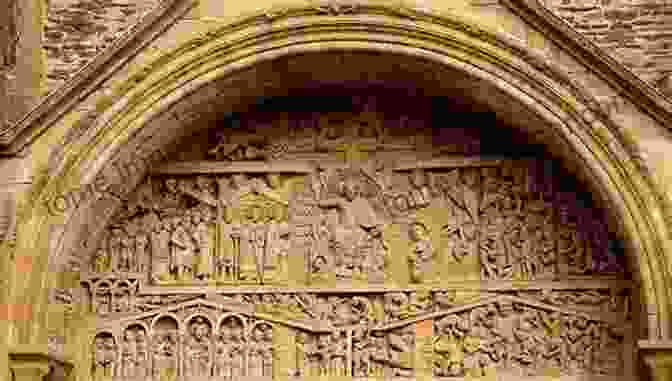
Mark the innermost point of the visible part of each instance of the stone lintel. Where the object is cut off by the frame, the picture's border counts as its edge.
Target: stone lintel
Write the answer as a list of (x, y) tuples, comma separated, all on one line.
[(210, 167), (586, 284), (452, 162)]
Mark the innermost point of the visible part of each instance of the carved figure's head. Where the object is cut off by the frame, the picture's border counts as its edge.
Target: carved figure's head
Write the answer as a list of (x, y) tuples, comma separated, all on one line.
[(239, 180), (200, 329), (268, 334), (469, 229), (171, 185), (419, 231), (129, 335), (418, 178), (302, 337), (273, 180), (203, 183), (349, 188), (320, 264), (470, 177), (196, 218)]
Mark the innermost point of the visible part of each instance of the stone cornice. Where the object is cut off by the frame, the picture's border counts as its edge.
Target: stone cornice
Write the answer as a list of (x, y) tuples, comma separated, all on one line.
[(15, 137)]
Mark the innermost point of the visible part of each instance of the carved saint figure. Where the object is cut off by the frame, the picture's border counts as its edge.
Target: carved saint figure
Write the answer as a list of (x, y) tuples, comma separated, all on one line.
[(338, 353), (165, 357), (449, 359), (141, 252), (255, 353), (420, 259), (401, 350), (127, 258), (101, 262), (104, 358), (494, 254), (222, 361), (198, 348), (361, 352), (420, 196), (205, 265), (182, 251), (303, 352), (267, 352), (161, 250), (101, 300), (237, 351), (128, 354), (116, 248), (277, 251), (141, 355)]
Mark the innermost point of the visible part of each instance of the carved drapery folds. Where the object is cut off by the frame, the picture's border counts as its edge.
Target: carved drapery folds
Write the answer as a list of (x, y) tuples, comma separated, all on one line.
[(357, 244)]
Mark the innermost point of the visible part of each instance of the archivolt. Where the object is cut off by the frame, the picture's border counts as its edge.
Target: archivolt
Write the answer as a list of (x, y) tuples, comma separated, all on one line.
[(125, 122)]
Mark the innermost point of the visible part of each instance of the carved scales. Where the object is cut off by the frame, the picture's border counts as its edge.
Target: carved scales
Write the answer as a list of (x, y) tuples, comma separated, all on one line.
[(345, 244)]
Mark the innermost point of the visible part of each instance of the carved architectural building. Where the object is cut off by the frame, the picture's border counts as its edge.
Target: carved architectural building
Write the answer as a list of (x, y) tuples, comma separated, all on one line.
[(335, 190)]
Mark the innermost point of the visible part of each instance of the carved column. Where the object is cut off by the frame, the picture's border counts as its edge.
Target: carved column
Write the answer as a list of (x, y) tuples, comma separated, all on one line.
[(657, 355)]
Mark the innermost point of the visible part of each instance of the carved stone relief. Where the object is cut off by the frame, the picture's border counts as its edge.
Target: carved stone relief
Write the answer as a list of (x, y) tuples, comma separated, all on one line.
[(316, 245)]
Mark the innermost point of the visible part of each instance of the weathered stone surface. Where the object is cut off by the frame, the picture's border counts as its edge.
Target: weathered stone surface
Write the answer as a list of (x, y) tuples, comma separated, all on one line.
[(76, 31), (636, 33)]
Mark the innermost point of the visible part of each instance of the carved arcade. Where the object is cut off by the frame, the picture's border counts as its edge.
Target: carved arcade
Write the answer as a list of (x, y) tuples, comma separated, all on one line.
[(348, 245)]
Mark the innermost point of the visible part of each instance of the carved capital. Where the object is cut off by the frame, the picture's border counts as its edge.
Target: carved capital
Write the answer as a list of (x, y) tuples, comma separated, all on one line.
[(28, 365), (657, 355)]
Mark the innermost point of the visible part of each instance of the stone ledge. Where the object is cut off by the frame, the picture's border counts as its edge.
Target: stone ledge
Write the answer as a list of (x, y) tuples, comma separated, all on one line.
[(657, 355), (34, 362)]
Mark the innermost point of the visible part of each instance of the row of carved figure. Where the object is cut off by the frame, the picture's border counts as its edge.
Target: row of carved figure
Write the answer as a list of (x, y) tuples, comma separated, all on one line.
[(495, 338), (339, 310), (511, 232), (359, 352), (230, 354), (519, 338)]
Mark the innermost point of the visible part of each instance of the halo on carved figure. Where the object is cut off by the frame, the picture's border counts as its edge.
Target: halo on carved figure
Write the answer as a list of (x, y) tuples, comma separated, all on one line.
[(166, 322), (136, 325), (104, 351), (260, 326), (198, 319), (232, 318)]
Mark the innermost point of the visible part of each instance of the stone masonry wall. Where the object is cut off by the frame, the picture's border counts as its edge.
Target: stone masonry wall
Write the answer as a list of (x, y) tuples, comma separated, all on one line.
[(77, 30), (638, 33)]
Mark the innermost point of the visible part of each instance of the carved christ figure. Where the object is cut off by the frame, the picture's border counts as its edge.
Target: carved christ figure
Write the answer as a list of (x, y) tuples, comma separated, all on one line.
[(357, 218)]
